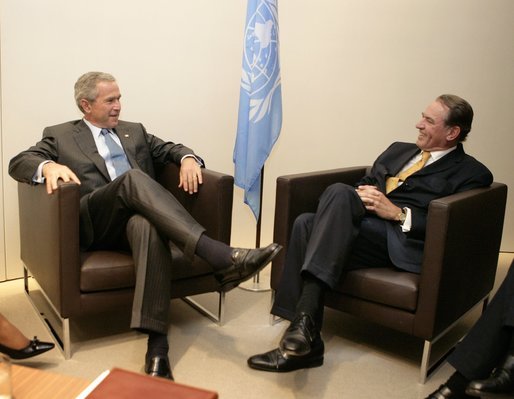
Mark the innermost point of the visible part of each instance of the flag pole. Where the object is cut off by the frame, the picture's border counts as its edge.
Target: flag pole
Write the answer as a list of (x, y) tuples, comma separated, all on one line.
[(256, 285)]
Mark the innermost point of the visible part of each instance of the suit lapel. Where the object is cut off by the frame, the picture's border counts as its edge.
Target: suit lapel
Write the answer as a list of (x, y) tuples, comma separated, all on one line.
[(401, 159), (406, 157), (390, 166), (86, 143)]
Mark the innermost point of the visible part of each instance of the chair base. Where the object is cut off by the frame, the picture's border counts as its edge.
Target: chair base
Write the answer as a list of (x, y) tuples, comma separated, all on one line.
[(427, 367), (272, 318), (218, 318), (59, 327)]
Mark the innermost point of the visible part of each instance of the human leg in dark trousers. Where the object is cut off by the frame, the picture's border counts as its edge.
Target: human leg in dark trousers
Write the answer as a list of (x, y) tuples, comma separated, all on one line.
[(322, 246), (489, 345), (318, 239), (152, 292), (106, 212)]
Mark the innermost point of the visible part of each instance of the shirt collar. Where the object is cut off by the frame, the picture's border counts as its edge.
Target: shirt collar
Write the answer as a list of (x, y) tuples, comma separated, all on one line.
[(95, 130), (436, 155)]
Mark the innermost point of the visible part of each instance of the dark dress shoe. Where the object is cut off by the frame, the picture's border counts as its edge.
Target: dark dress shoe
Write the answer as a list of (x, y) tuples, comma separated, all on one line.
[(299, 336), (445, 392), (158, 366), (246, 263), (279, 362), (499, 384), (34, 348)]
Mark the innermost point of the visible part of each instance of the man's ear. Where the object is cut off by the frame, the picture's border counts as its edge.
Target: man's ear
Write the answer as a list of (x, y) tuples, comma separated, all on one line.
[(86, 106), (453, 133)]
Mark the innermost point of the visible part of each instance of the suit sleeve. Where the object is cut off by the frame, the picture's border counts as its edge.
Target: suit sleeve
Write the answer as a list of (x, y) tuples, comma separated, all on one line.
[(24, 165), (165, 152)]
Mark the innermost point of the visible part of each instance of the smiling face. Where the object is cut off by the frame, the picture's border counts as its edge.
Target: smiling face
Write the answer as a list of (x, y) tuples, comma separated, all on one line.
[(104, 111), (434, 134)]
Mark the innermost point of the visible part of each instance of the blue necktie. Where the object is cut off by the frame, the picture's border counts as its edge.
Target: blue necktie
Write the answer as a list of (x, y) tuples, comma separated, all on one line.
[(118, 157)]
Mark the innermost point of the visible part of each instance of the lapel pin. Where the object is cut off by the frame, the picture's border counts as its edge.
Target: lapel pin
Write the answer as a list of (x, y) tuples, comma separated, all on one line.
[(127, 136)]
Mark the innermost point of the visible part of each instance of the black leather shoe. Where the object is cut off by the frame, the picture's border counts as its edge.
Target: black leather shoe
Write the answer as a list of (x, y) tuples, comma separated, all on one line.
[(246, 263), (159, 366), (499, 384), (444, 392), (279, 362), (34, 348), (299, 336)]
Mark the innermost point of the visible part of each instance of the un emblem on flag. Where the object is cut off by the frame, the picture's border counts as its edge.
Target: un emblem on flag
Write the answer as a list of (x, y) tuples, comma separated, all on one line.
[(261, 70)]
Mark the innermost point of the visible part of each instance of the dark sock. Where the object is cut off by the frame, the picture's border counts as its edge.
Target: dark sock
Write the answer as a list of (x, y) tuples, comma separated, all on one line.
[(457, 383), (216, 253), (312, 299), (157, 345)]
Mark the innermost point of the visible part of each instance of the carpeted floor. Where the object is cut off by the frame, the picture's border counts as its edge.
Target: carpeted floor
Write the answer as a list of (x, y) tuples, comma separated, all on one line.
[(361, 361)]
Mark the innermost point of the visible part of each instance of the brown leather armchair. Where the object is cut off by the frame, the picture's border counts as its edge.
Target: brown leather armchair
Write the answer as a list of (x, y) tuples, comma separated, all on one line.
[(75, 284), (462, 244)]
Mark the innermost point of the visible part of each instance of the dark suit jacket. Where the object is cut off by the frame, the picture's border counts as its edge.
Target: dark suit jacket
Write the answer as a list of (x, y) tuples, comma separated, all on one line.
[(72, 144), (453, 173)]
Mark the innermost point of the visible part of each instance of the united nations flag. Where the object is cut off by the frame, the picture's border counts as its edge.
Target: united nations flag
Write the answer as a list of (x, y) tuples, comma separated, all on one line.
[(260, 102)]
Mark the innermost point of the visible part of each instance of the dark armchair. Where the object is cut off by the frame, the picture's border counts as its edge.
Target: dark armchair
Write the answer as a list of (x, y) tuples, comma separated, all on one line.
[(459, 266), (75, 284)]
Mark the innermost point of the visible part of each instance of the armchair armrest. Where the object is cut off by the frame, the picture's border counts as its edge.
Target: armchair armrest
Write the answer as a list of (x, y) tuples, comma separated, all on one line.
[(299, 193), (46, 223), (462, 245)]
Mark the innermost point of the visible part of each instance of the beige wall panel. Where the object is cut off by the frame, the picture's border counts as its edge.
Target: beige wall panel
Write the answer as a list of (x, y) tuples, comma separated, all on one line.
[(356, 75)]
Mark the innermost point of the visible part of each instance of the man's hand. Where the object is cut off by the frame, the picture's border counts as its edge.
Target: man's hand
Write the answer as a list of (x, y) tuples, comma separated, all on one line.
[(190, 175), (52, 172), (375, 201)]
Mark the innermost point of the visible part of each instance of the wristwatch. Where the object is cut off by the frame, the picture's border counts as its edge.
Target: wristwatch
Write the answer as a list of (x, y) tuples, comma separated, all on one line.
[(402, 216)]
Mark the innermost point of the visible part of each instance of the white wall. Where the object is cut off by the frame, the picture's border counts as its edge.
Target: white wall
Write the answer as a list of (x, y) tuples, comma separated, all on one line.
[(356, 74)]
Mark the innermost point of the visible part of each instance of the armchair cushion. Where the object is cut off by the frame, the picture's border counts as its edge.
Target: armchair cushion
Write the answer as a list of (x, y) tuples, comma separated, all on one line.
[(386, 286), (106, 270)]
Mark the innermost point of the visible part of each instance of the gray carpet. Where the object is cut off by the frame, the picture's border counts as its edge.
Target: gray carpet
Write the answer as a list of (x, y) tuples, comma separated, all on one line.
[(361, 361)]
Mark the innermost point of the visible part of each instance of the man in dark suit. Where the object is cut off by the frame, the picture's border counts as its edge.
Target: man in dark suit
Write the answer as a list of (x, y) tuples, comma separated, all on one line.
[(123, 207), (489, 346), (380, 222)]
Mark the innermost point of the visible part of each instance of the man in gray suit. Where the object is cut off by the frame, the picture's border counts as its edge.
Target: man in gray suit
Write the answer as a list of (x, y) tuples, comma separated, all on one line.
[(123, 207)]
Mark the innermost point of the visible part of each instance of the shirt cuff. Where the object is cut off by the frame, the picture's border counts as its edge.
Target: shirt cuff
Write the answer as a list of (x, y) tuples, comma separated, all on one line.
[(406, 226), (198, 160), (38, 176)]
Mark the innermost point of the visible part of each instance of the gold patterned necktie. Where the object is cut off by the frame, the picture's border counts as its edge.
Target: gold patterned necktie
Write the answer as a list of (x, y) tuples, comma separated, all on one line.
[(392, 182)]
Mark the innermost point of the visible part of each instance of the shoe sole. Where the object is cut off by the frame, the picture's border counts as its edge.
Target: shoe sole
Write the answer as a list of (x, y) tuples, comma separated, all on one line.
[(312, 364), (229, 285)]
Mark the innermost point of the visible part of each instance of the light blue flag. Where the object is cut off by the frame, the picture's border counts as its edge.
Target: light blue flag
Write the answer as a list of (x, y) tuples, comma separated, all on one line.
[(260, 102)]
